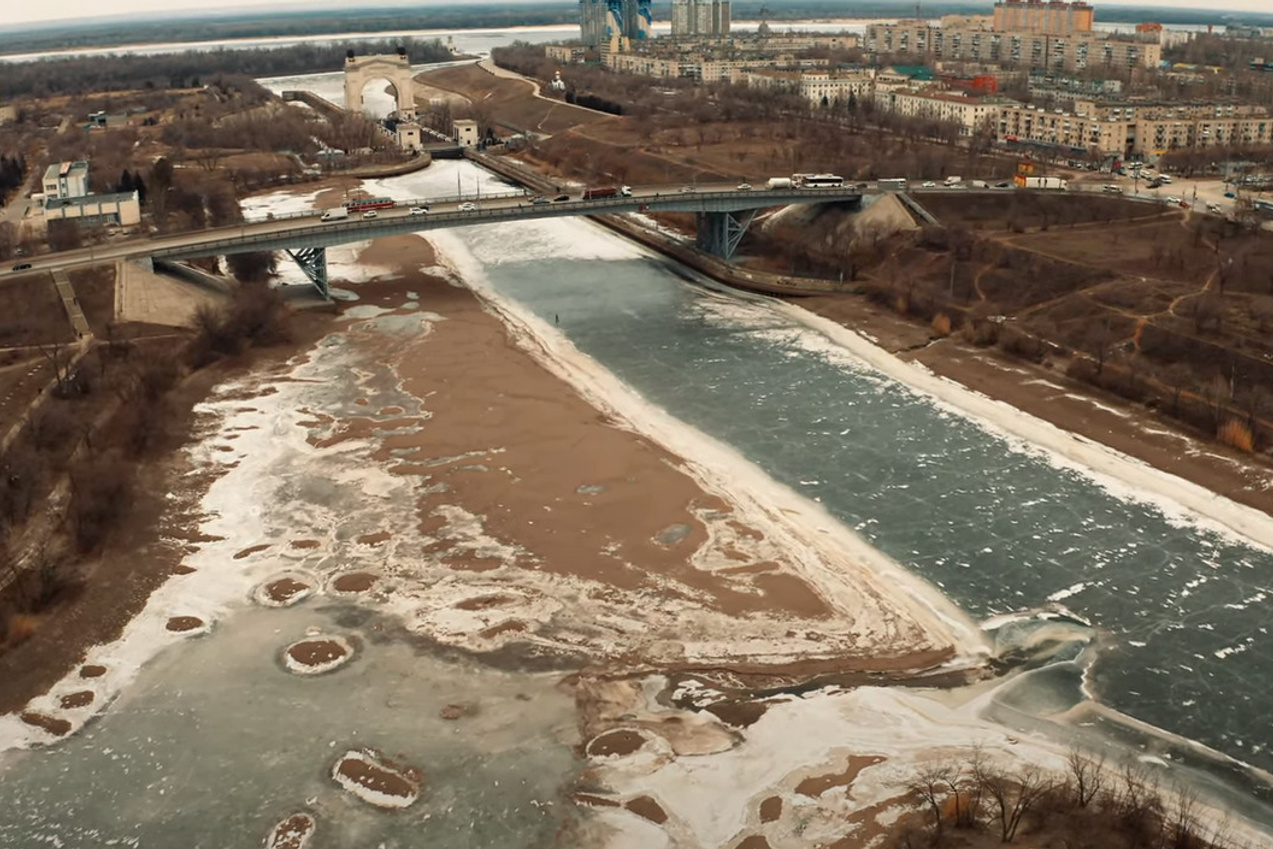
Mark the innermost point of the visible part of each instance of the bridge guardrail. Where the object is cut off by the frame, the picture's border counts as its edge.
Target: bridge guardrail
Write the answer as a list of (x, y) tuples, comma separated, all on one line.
[(399, 204), (619, 204)]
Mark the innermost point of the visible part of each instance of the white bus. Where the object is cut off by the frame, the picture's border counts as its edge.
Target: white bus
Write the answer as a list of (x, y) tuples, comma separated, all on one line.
[(822, 181)]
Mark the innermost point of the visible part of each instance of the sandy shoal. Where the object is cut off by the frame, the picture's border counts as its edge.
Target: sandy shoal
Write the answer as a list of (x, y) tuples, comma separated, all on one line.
[(630, 554)]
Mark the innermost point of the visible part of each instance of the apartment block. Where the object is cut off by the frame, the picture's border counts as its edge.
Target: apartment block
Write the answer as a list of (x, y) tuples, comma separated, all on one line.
[(700, 18), (1047, 17), (968, 39), (973, 115), (819, 87), (1130, 128), (1065, 88)]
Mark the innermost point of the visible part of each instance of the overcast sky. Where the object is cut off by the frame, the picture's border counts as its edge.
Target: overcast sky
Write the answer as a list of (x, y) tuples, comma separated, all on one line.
[(24, 11)]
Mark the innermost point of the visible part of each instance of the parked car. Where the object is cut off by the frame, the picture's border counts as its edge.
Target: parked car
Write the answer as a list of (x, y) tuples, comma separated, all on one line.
[(744, 187), (1230, 195), (1184, 204), (22, 266), (371, 213), (419, 210), (468, 206)]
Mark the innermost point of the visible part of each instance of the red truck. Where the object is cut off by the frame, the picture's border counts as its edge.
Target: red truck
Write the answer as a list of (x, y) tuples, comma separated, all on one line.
[(606, 192)]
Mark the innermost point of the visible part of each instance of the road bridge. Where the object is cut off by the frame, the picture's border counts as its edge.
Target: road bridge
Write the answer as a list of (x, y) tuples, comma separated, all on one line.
[(723, 214)]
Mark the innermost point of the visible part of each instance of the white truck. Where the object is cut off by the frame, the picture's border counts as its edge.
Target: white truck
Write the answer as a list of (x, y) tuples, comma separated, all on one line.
[(779, 183), (953, 181), (1055, 183), (338, 213)]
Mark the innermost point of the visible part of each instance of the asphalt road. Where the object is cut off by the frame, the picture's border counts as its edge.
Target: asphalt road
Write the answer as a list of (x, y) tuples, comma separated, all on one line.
[(460, 207)]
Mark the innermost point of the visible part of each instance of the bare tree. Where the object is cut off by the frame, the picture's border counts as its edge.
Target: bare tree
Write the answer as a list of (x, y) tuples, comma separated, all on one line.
[(1088, 775), (1181, 828), (1012, 796), (60, 360), (932, 785)]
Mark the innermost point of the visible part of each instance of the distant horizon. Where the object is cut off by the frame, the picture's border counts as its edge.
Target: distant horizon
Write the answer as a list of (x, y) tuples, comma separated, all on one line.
[(157, 11)]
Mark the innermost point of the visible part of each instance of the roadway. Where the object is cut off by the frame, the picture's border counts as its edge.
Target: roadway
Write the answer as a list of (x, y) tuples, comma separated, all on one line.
[(307, 230)]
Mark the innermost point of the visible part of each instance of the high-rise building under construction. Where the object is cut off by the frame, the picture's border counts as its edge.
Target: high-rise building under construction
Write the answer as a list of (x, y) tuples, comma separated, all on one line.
[(700, 18), (607, 22)]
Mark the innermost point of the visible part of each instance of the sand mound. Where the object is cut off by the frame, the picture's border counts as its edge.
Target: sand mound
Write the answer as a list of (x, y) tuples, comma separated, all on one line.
[(53, 725), (77, 700), (354, 582), (318, 654), (621, 741), (284, 590), (647, 808), (377, 780), (186, 624), (292, 833)]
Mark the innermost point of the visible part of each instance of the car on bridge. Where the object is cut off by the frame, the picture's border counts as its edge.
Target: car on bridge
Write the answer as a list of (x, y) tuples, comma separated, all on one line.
[(468, 206), (22, 266), (371, 213), (688, 189), (744, 187), (419, 210), (561, 198), (539, 200)]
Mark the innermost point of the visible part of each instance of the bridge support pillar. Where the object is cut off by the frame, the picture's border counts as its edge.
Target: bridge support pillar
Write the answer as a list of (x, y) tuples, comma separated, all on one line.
[(313, 261), (718, 233)]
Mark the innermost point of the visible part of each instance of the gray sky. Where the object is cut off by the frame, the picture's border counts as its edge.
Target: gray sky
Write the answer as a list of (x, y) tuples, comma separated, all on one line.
[(25, 11)]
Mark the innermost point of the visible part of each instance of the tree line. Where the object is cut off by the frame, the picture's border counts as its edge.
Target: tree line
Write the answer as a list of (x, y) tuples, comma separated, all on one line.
[(120, 72), (1092, 803), (13, 171)]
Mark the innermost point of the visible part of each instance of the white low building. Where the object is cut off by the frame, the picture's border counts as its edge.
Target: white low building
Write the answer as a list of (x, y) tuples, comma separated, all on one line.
[(66, 179), (123, 208)]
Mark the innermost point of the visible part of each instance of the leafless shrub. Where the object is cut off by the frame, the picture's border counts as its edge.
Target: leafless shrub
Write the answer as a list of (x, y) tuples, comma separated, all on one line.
[(52, 426), (255, 315), (101, 491), (21, 473)]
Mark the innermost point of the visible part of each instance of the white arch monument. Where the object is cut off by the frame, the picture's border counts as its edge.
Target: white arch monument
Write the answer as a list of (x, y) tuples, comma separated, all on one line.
[(396, 68)]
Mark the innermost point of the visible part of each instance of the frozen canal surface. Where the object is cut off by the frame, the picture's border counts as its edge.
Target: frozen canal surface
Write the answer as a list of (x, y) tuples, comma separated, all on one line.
[(217, 741)]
